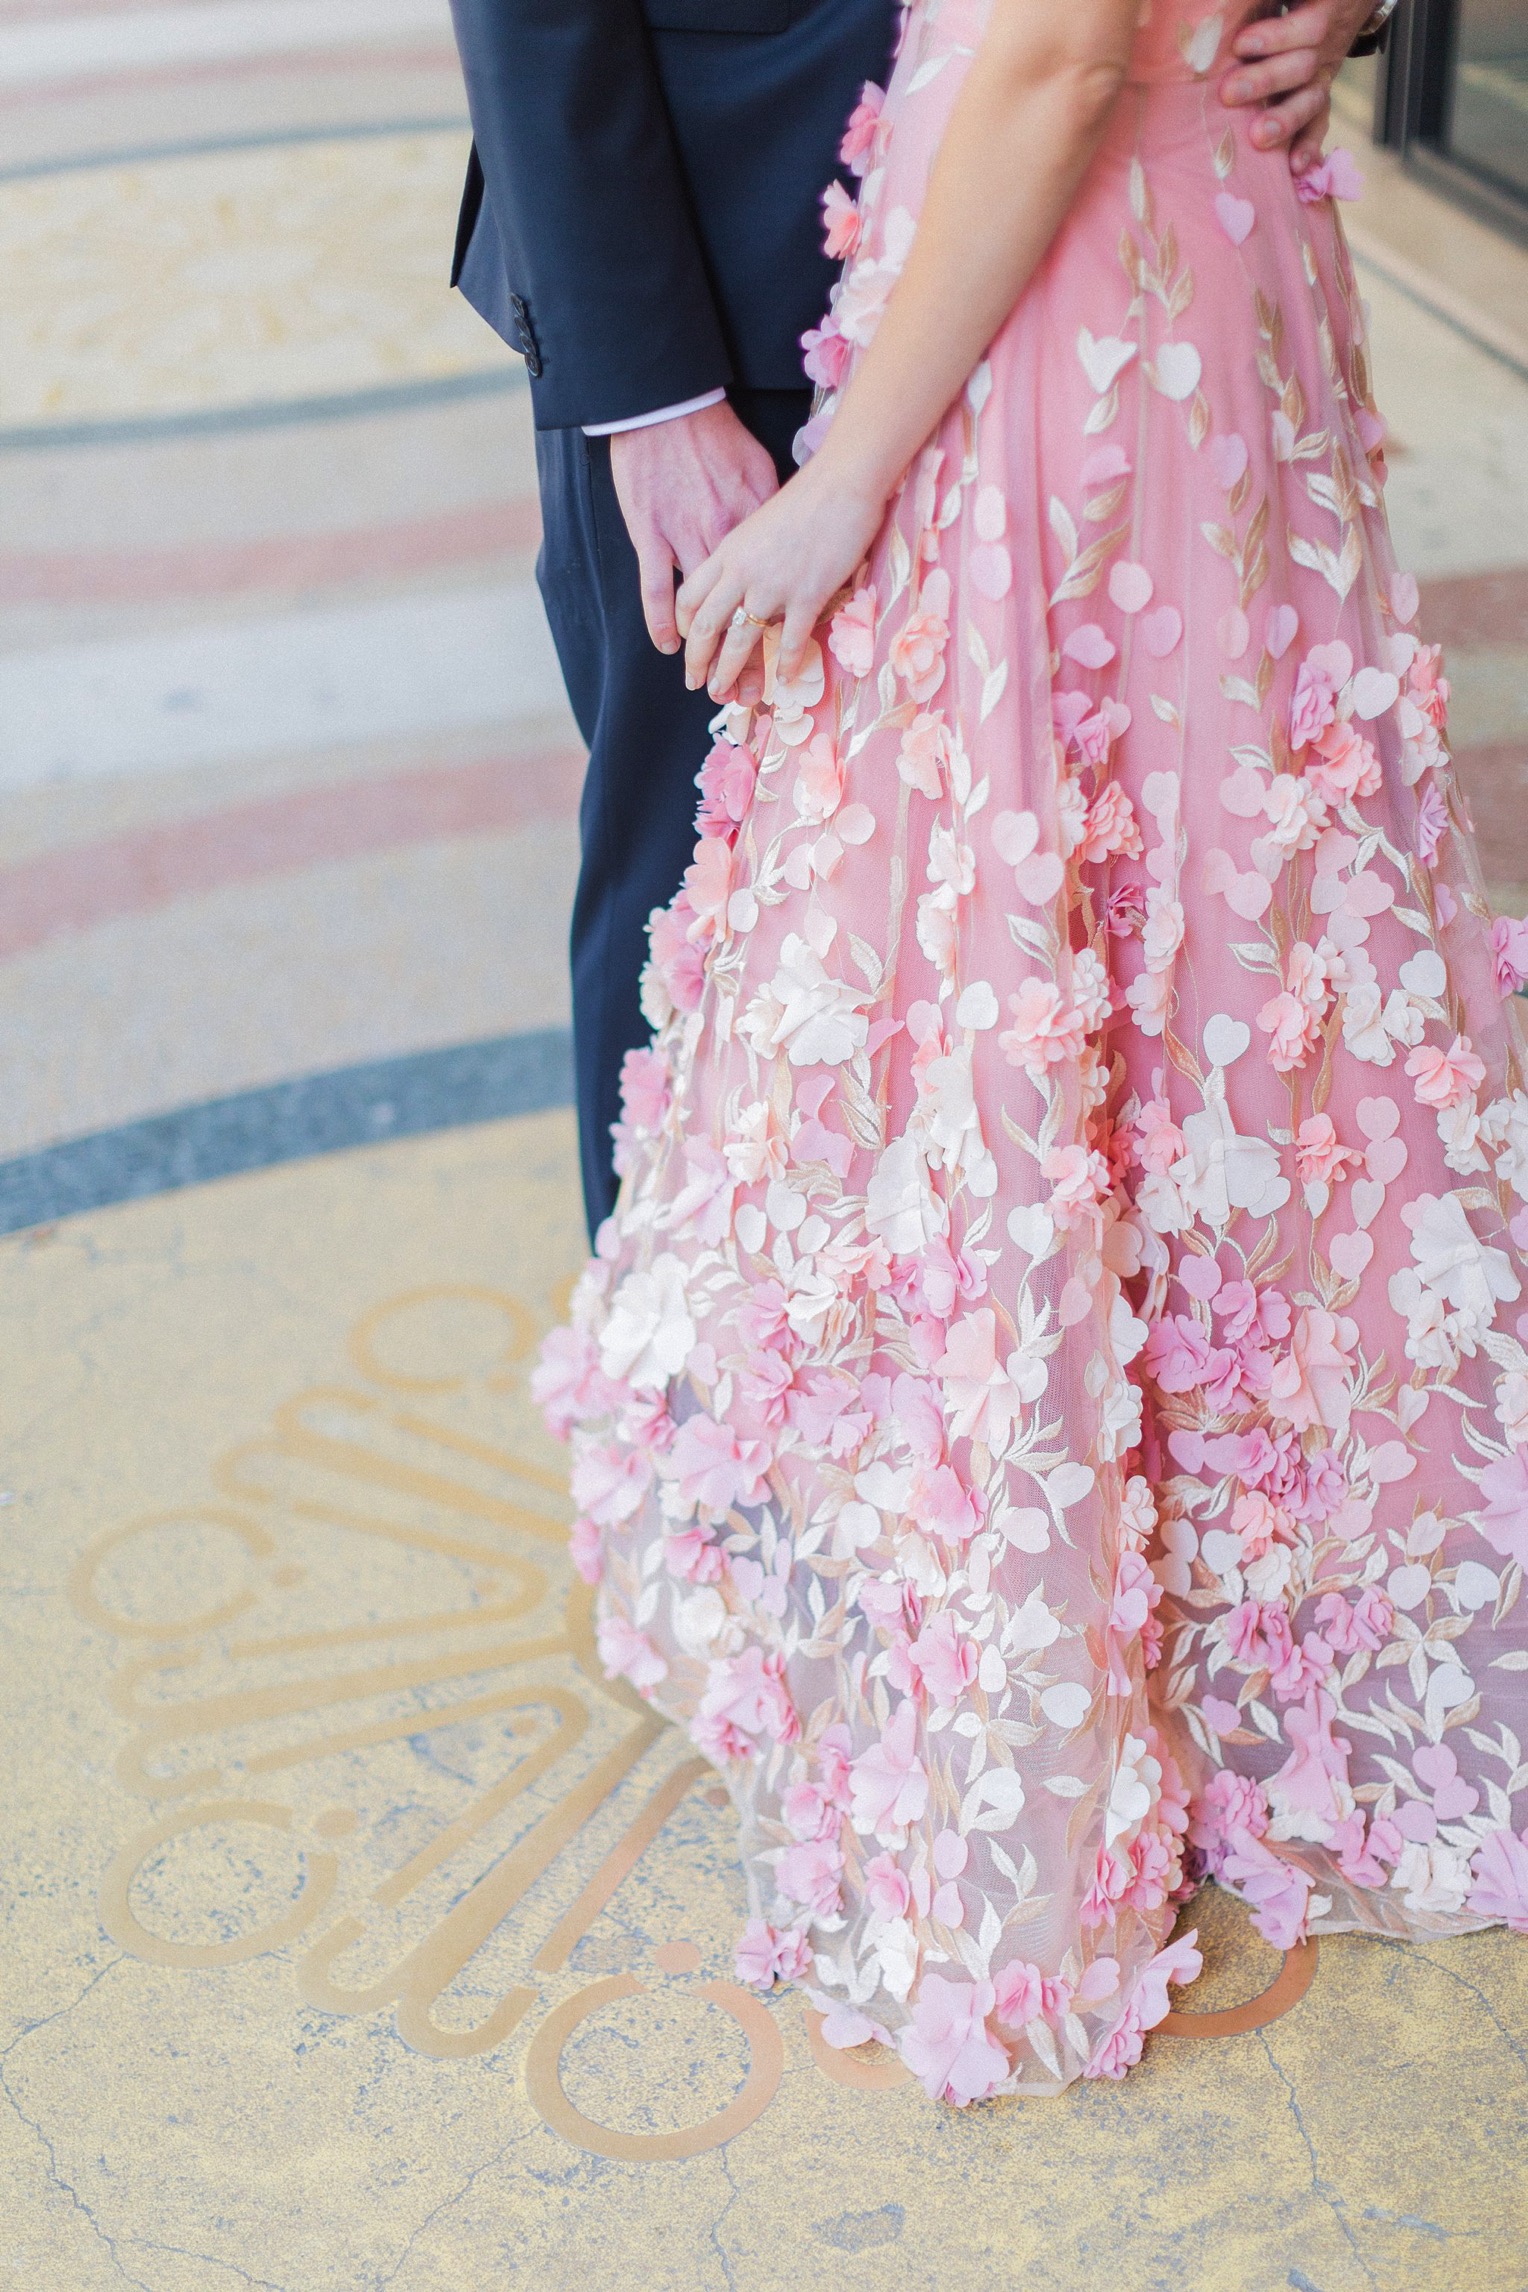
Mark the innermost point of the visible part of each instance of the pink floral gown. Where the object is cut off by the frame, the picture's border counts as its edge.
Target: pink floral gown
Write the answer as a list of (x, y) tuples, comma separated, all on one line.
[(1050, 1408)]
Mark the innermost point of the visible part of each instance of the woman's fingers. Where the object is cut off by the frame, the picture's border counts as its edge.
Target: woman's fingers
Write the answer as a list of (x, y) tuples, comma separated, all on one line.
[(738, 648), (1305, 150), (800, 619)]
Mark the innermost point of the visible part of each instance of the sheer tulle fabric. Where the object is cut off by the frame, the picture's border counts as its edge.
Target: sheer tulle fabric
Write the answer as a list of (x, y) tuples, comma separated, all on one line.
[(1049, 1409)]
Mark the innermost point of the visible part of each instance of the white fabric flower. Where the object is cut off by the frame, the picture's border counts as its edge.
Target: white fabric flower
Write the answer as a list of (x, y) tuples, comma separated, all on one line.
[(649, 1335)]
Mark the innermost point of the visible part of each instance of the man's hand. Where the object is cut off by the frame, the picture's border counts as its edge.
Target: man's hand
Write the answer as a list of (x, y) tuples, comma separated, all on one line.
[(1287, 64), (683, 486)]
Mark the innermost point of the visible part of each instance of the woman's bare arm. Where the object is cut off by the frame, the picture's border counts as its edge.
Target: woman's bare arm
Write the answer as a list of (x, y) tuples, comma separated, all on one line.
[(1028, 120)]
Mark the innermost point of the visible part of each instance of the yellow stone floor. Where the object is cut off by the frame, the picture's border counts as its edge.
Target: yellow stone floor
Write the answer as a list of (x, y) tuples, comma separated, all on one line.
[(358, 1937)]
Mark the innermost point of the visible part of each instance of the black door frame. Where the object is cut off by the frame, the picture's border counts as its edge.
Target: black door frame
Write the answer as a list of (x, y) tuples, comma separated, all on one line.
[(1412, 102)]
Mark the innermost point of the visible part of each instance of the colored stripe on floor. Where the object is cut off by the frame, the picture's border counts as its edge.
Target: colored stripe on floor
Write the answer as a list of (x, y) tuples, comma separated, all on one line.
[(80, 886), (288, 1121), (265, 413), (387, 669)]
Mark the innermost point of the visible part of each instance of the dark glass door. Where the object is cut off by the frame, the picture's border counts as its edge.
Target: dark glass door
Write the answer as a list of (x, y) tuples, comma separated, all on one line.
[(1452, 93), (1487, 118)]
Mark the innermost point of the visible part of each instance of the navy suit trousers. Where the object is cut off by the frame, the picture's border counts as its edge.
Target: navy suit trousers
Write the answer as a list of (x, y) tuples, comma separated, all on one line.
[(647, 740)]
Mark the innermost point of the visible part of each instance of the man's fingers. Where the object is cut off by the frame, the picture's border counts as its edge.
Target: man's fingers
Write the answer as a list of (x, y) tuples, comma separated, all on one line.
[(1282, 121), (655, 568), (709, 616), (1305, 151), (1275, 76), (1305, 27)]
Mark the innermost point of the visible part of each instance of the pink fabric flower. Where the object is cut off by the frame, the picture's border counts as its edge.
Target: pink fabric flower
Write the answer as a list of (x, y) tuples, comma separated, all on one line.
[(715, 1469), (567, 1384), (809, 1873), (888, 1782), (692, 1556), (676, 958), (832, 1758), (1310, 1385), (946, 1662), (1366, 1623), (860, 134), (1044, 1031), (1442, 1078), (1080, 1184), (887, 1893), (948, 2045), (917, 653), (809, 1812), (1320, 1156), (1337, 177), (1315, 696), (629, 1654), (586, 1549), (609, 1481), (1344, 765), (1178, 1354), (644, 1090), (1147, 2004), (924, 755), (1293, 1029), (851, 634), (708, 887), (1432, 824), (748, 1692), (1312, 1784), (942, 1505), (1277, 1892), (768, 1954), (1504, 1516), (1427, 686), (1500, 1872), (1509, 949), (1136, 1592), (826, 354), (725, 781), (1112, 830), (841, 223), (1019, 1994)]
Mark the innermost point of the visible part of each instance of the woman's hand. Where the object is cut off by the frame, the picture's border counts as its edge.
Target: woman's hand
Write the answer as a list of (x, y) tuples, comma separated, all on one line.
[(783, 563)]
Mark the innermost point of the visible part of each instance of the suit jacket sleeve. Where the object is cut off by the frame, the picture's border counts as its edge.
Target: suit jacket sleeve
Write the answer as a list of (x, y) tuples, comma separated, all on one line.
[(597, 272)]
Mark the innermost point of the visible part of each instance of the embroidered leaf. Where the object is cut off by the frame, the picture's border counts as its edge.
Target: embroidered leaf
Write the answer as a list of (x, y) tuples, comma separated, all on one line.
[(1103, 413), (1082, 575), (926, 74), (1104, 504), (1063, 526)]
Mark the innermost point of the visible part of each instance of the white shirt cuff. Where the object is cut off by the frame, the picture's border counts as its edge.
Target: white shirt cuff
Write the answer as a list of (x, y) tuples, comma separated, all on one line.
[(647, 421)]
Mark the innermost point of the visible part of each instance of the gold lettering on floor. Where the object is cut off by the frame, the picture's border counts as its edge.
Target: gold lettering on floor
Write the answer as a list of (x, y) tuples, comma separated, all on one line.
[(376, 1605)]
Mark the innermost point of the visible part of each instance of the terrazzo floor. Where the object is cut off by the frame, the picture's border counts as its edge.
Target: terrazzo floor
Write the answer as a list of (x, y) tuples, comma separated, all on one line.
[(356, 1934)]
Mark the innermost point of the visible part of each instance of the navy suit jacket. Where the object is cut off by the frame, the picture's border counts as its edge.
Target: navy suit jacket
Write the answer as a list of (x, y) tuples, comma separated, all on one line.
[(641, 212)]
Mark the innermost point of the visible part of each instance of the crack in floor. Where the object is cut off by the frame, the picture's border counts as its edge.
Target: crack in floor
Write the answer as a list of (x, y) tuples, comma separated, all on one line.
[(438, 2211), (716, 2241), (1319, 2185), (1514, 2044)]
